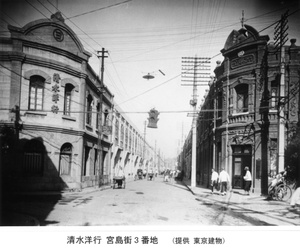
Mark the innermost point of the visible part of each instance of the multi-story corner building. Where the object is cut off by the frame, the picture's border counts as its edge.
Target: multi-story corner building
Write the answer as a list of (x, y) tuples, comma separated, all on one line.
[(239, 120), (49, 117), (52, 133), (50, 100)]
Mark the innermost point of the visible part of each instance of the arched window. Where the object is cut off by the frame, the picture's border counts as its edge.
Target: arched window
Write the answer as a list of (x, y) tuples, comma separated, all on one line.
[(126, 138), (68, 99), (117, 132), (122, 136), (136, 144), (89, 110), (241, 98), (36, 93), (65, 159), (105, 115), (130, 140), (33, 163)]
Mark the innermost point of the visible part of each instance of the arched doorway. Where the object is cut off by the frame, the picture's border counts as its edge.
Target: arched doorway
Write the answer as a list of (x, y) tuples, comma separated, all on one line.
[(65, 159)]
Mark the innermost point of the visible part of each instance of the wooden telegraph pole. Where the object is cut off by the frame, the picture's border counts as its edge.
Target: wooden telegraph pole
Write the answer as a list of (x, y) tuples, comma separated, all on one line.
[(100, 151), (196, 70), (280, 39)]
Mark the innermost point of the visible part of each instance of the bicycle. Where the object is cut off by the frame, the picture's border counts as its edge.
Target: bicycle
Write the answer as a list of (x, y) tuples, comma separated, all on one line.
[(283, 192), (279, 189)]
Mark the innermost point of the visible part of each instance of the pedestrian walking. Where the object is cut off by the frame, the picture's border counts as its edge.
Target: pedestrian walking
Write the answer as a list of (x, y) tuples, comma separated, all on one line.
[(214, 180), (166, 175), (248, 181), (172, 176), (224, 180)]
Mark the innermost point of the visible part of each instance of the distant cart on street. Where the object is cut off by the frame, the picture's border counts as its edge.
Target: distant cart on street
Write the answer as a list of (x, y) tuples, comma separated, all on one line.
[(119, 182), (150, 176), (139, 175)]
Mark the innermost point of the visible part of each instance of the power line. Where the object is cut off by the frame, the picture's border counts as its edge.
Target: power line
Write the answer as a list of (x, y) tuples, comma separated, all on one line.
[(76, 26), (92, 11), (176, 75), (193, 37), (196, 65)]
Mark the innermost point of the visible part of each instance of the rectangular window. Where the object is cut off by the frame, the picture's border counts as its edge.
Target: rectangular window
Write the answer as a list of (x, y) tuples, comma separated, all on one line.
[(220, 105), (98, 116), (36, 97), (67, 104), (230, 101), (240, 102), (89, 109), (274, 95)]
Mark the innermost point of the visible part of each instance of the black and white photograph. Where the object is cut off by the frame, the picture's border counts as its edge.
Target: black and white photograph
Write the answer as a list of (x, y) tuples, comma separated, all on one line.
[(149, 123)]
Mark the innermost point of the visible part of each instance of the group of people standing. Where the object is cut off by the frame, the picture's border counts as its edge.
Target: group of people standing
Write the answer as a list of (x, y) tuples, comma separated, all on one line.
[(222, 181), (169, 175)]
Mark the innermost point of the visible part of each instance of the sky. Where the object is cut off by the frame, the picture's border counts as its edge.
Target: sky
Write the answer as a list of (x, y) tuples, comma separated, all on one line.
[(149, 36)]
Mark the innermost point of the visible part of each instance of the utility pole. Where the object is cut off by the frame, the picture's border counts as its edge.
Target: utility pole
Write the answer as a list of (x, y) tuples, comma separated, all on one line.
[(213, 83), (144, 147), (155, 156), (196, 70), (280, 39), (100, 151)]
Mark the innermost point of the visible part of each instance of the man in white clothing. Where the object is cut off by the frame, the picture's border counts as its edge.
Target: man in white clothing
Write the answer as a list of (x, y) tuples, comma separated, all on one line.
[(248, 181), (214, 180), (224, 180), (295, 198)]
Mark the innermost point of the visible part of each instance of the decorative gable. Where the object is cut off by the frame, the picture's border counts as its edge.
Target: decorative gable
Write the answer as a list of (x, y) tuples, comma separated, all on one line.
[(51, 34), (244, 36)]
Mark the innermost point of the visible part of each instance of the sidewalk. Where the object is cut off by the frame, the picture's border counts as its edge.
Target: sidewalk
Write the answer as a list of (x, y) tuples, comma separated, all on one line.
[(252, 207)]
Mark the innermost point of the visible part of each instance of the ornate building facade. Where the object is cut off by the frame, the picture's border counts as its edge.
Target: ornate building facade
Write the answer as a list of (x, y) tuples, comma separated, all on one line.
[(238, 122), (52, 134)]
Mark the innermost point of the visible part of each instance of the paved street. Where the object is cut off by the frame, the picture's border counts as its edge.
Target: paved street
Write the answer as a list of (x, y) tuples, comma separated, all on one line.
[(142, 202)]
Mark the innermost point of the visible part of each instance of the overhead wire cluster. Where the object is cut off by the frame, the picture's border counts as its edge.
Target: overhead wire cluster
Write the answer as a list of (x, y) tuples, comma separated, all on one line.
[(194, 35)]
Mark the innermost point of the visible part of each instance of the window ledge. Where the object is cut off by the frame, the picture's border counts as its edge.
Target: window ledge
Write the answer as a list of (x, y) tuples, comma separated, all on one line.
[(88, 127), (273, 111), (68, 118), (40, 113), (240, 114)]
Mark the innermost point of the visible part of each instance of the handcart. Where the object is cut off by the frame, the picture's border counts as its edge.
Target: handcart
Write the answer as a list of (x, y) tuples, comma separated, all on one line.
[(140, 174), (119, 182)]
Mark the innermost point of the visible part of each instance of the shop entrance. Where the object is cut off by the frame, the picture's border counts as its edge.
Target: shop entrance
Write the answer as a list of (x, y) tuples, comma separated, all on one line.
[(241, 158)]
